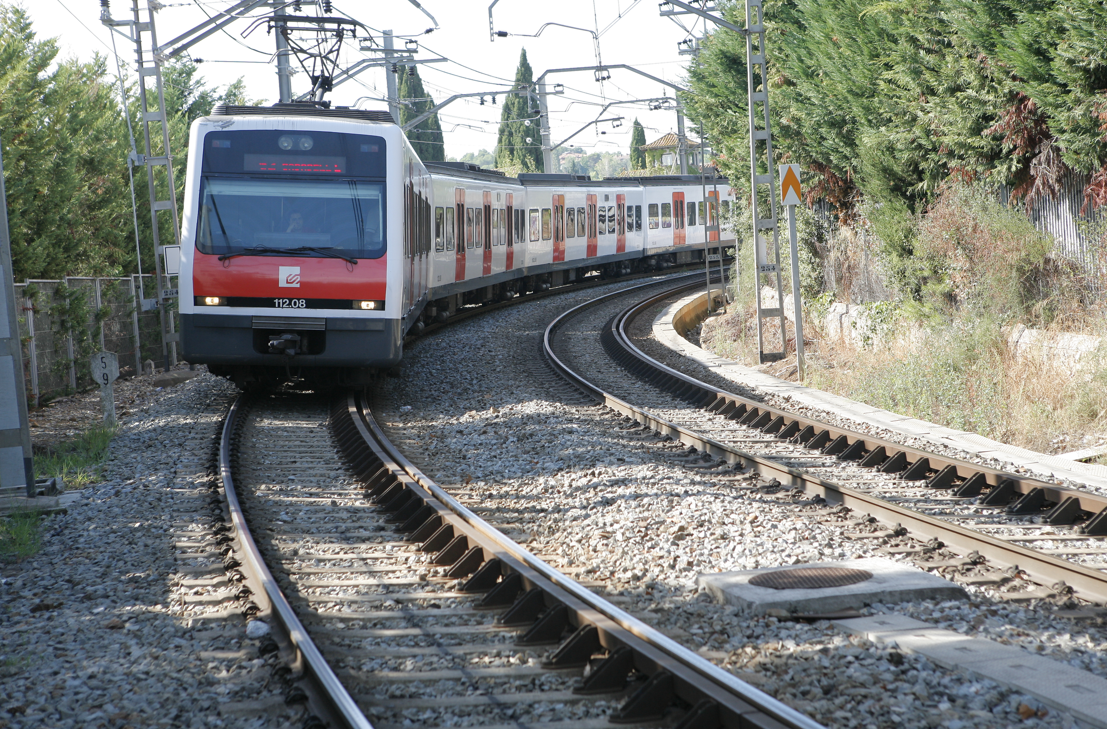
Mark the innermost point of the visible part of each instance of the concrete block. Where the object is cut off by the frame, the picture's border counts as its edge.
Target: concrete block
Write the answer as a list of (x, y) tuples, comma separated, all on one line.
[(877, 627), (891, 582), (1058, 685)]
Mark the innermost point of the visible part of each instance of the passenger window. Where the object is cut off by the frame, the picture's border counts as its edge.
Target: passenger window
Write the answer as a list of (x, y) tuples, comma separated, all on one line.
[(666, 215), (534, 224), (610, 218), (637, 218), (469, 228), (699, 206), (546, 218), (571, 223), (478, 226), (620, 219), (726, 207), (449, 229), (495, 226), (580, 222), (691, 213), (603, 219), (653, 216), (439, 234)]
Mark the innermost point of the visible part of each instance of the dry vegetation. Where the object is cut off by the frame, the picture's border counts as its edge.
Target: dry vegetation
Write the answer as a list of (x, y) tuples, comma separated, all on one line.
[(942, 354)]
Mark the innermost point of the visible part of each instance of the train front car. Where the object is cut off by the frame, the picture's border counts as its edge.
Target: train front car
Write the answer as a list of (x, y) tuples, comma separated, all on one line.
[(287, 272)]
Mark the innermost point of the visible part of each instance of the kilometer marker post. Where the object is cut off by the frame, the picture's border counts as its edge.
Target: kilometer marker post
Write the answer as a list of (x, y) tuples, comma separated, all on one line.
[(790, 196)]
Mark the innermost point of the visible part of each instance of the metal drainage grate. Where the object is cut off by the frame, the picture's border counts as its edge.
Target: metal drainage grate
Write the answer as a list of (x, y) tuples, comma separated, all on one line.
[(809, 578)]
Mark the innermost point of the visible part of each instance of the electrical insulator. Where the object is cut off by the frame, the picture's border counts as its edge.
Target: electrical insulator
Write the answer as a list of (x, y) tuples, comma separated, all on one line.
[(411, 71), (326, 6), (395, 68), (482, 101), (493, 100)]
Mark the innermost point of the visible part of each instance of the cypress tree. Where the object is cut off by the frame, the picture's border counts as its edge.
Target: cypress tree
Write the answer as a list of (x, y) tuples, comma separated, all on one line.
[(512, 147), (426, 137), (637, 141)]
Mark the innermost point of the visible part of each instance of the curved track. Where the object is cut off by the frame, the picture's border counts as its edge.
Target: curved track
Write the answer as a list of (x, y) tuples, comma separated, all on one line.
[(982, 513), (419, 612)]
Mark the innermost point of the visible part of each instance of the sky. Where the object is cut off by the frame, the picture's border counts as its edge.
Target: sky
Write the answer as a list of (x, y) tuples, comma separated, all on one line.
[(630, 32)]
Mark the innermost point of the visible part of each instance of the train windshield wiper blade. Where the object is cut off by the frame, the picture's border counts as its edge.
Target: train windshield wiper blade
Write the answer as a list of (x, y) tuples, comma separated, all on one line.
[(260, 251), (329, 252)]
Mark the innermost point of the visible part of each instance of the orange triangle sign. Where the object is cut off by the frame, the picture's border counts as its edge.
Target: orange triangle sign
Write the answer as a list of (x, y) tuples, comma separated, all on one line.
[(790, 187)]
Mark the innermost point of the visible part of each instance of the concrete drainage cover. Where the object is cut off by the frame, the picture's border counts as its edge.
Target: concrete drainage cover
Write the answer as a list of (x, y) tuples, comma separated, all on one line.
[(808, 588), (810, 578)]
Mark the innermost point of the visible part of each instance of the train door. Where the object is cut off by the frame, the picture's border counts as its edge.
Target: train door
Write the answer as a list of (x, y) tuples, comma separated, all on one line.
[(558, 228), (486, 238), (620, 223), (509, 224), (593, 233), (679, 230), (713, 216), (459, 221)]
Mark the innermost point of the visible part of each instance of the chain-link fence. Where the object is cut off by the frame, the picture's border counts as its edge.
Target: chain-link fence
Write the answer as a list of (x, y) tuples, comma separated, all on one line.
[(63, 323)]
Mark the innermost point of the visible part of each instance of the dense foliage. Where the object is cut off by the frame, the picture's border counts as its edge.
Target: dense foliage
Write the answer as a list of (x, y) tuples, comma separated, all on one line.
[(518, 123), (637, 141), (65, 147), (887, 100), (426, 137)]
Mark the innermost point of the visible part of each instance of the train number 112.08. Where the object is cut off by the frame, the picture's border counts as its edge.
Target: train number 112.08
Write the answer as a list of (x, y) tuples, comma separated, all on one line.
[(290, 303)]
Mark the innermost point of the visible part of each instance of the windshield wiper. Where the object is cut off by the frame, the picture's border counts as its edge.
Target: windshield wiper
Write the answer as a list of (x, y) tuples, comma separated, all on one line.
[(300, 251), (255, 251), (326, 251)]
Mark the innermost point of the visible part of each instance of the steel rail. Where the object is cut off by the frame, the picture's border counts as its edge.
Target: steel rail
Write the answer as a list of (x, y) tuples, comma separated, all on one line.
[(695, 680), (1090, 503), (337, 704), (1043, 568)]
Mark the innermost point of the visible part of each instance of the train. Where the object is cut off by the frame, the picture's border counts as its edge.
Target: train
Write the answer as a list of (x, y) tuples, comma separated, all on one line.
[(314, 240)]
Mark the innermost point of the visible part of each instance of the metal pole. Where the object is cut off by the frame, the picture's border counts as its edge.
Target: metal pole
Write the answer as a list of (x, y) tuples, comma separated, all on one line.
[(544, 129), (682, 146), (15, 434), (796, 290), (284, 69), (706, 247), (390, 78)]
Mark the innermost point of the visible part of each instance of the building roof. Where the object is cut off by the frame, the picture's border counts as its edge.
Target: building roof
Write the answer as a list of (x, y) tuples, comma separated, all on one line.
[(670, 141)]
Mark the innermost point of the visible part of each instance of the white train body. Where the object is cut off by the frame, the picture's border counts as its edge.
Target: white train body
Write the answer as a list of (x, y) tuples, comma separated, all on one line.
[(313, 240)]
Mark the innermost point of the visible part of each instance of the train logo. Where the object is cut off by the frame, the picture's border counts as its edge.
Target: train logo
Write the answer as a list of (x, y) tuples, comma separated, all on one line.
[(289, 277)]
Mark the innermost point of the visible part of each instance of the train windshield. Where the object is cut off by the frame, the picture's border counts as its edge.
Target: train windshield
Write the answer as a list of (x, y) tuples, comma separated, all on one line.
[(346, 216)]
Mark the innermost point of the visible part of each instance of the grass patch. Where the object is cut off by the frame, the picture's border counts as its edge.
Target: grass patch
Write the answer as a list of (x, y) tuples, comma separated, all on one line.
[(20, 535), (77, 461)]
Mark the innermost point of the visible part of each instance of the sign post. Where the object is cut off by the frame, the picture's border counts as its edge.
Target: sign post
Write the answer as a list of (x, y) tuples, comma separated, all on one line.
[(105, 371), (790, 196), (16, 466)]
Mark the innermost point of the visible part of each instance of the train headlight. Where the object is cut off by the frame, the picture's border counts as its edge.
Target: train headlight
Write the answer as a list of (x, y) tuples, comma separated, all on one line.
[(285, 142), (306, 143), (369, 305), (211, 301)]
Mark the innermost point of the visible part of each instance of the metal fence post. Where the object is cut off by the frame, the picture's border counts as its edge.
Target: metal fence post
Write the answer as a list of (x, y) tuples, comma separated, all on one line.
[(96, 292), (29, 308), (136, 304)]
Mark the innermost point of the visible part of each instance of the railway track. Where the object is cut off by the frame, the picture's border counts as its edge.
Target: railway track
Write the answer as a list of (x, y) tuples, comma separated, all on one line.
[(395, 605), (1001, 526)]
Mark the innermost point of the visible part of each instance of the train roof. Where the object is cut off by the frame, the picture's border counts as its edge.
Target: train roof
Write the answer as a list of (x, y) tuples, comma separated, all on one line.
[(306, 108), (471, 171)]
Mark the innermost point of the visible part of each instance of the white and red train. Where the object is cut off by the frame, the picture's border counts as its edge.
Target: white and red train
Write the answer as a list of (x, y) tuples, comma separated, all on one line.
[(314, 240)]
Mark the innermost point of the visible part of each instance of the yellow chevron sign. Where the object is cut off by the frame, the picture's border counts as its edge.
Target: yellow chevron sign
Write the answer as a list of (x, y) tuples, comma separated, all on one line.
[(789, 184)]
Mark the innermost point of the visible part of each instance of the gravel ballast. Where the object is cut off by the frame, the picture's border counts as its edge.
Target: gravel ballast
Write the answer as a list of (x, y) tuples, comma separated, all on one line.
[(582, 489), (123, 619)]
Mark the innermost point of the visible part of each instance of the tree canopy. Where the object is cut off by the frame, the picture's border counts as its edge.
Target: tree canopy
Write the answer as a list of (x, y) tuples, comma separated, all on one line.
[(887, 100), (426, 136), (65, 143), (518, 123), (637, 141)]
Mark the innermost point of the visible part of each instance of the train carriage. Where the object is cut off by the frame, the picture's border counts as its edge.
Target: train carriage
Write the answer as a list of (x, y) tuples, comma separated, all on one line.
[(314, 240)]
